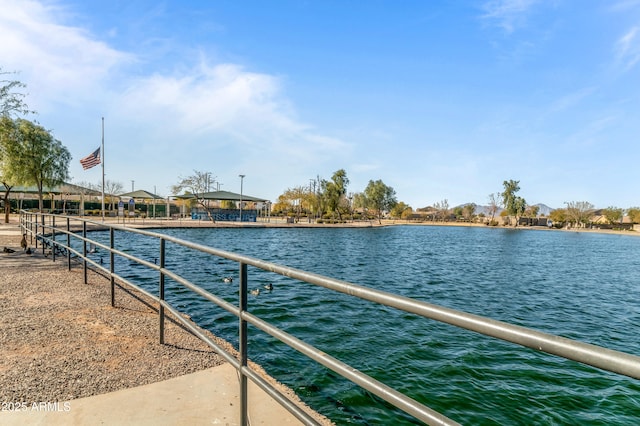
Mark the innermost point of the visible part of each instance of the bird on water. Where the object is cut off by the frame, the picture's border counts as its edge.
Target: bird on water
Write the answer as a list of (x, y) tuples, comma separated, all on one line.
[(255, 292), (227, 279), (269, 287)]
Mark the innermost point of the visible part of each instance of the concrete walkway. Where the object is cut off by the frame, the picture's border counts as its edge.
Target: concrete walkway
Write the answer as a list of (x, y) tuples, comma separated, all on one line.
[(209, 397)]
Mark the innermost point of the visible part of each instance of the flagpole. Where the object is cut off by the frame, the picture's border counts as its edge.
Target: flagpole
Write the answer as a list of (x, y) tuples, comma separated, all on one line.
[(102, 152)]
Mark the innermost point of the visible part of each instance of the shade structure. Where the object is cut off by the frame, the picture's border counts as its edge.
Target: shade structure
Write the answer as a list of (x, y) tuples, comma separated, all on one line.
[(141, 195), (64, 188), (222, 196)]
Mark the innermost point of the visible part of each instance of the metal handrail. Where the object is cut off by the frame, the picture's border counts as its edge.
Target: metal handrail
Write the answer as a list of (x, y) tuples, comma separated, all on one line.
[(593, 355)]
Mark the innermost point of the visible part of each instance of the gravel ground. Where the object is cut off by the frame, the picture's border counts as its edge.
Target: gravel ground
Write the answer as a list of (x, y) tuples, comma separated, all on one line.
[(60, 339)]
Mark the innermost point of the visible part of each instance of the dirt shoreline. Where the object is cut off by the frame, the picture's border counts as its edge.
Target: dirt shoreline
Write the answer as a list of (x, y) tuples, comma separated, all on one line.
[(274, 222)]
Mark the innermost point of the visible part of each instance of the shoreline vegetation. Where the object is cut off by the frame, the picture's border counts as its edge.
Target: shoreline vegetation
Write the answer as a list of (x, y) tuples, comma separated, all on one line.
[(276, 222), (279, 222)]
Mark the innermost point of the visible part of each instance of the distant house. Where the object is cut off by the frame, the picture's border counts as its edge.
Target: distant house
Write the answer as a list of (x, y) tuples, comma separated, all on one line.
[(534, 221), (599, 221)]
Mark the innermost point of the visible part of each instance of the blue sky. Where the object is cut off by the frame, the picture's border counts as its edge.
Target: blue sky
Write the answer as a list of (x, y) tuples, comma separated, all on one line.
[(440, 100)]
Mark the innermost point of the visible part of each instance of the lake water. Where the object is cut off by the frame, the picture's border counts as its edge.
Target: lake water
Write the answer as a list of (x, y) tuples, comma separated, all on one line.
[(578, 285)]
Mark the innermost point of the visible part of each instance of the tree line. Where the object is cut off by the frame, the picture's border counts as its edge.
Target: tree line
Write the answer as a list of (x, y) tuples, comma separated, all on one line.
[(512, 206), (29, 153), (329, 200)]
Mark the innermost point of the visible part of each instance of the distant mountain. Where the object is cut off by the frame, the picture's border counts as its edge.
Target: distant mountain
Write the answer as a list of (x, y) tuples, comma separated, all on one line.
[(543, 209), (485, 210)]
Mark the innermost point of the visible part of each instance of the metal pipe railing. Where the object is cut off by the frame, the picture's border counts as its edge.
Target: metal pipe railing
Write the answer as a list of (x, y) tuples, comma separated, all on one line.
[(596, 356)]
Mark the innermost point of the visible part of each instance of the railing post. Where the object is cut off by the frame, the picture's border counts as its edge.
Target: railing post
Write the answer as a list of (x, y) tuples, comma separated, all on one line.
[(68, 243), (112, 266), (53, 238), (37, 235), (243, 345), (84, 251), (161, 290), (28, 222)]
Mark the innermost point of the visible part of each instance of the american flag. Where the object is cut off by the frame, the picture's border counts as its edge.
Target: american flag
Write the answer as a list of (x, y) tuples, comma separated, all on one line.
[(91, 160)]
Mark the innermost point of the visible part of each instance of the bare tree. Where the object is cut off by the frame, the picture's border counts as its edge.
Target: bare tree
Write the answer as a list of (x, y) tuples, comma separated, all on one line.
[(579, 212), (442, 209), (84, 189), (494, 204), (112, 189), (197, 185)]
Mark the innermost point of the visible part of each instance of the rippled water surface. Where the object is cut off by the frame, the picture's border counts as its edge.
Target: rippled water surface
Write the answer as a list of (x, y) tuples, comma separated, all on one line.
[(578, 285)]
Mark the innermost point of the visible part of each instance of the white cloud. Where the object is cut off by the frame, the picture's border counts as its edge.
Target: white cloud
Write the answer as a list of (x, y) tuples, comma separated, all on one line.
[(624, 5), (627, 49), (221, 116), (590, 135), (507, 14), (247, 107), (572, 99), (362, 167), (59, 63)]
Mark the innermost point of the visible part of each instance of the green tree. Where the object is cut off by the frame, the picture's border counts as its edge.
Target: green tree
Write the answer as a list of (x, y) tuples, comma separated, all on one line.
[(468, 211), (513, 204), (634, 214), (360, 203), (401, 210), (380, 197), (228, 204), (558, 215), (31, 155), (11, 101), (334, 193), (198, 185), (613, 214)]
